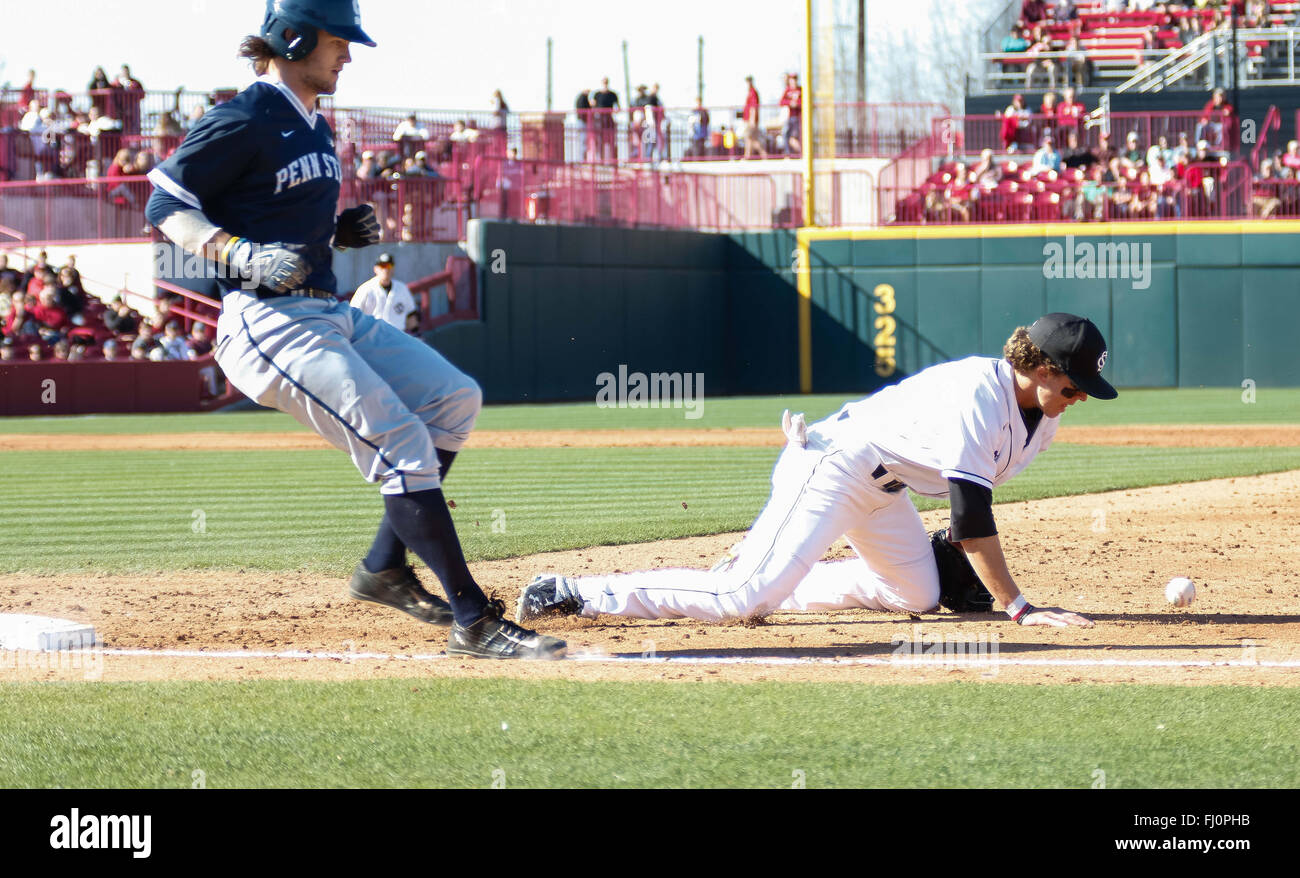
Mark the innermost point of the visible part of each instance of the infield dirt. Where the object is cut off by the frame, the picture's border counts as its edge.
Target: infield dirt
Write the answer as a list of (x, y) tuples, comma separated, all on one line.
[(1105, 555)]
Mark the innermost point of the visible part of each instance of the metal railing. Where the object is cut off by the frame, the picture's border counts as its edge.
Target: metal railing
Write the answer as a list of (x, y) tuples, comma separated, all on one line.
[(1211, 190), (77, 210), (622, 135)]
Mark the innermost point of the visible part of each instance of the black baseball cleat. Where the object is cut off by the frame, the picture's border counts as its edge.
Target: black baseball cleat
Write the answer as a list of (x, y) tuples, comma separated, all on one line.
[(493, 636), (399, 588), (549, 594)]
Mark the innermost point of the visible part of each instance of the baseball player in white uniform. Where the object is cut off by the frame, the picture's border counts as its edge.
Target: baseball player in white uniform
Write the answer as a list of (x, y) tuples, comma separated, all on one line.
[(383, 296), (954, 430)]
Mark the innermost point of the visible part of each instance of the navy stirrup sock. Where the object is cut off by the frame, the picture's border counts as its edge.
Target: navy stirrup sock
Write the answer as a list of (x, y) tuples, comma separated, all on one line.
[(422, 521), (387, 551)]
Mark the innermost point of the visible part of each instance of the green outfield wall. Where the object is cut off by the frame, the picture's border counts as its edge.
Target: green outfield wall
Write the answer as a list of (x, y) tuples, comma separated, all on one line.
[(1181, 304)]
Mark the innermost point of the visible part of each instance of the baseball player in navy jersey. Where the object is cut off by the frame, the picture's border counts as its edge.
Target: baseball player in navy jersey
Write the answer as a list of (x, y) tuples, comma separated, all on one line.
[(954, 430), (254, 188)]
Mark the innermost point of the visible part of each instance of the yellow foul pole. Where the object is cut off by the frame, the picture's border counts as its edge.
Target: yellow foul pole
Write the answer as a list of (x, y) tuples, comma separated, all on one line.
[(803, 281)]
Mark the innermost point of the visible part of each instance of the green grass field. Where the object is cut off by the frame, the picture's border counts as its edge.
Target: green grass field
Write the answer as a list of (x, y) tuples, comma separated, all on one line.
[(1162, 406), (155, 511), (472, 733), (278, 510)]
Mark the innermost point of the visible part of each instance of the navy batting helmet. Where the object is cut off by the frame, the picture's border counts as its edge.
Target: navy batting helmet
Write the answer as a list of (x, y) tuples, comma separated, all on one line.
[(342, 18)]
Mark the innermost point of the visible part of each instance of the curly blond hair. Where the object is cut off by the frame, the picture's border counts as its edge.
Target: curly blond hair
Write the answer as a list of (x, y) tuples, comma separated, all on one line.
[(1025, 356)]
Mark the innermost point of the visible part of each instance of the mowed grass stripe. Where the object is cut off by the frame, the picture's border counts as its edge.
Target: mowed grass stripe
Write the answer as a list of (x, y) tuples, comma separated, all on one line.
[(470, 733), (155, 510), (1223, 405)]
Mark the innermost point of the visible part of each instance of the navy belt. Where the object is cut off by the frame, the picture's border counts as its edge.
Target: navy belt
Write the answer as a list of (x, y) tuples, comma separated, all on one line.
[(893, 486), (308, 292)]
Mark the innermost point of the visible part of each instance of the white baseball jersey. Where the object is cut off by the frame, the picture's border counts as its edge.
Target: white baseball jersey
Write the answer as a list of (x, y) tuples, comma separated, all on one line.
[(954, 420), (391, 306)]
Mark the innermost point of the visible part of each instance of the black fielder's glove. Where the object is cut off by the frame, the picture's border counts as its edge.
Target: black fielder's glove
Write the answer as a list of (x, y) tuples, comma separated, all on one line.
[(960, 589), (276, 267), (357, 227)]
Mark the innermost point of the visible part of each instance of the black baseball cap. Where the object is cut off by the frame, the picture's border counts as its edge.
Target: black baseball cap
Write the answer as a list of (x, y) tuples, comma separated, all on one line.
[(384, 259), (1074, 345)]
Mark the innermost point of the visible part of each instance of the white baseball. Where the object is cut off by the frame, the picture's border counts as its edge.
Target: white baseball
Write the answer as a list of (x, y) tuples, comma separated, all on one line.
[(1180, 591)]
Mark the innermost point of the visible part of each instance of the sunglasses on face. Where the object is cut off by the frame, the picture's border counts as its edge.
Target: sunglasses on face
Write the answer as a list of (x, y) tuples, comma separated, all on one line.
[(1070, 391)]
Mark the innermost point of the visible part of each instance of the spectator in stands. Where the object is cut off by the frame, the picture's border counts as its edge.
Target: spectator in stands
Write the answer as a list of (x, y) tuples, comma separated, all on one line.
[(1075, 154), (1032, 12), (1090, 204), (144, 162), (986, 174), (1065, 11), (1161, 148), (35, 352), (1218, 122), (62, 350), (1198, 181), (582, 106), (636, 124), (409, 136), (1164, 190), (130, 92), (145, 343), (47, 311), (28, 93), (1105, 152), (71, 295), (99, 124), (1257, 14), (98, 81), (173, 343), (1264, 197), (1042, 44), (604, 104), (1015, 42), (198, 343), (111, 349), (367, 170), (21, 325), (1077, 67), (14, 275), (1016, 124), (34, 120), (699, 130), (7, 290), (1182, 152), (1291, 159), (120, 318), (662, 124), (7, 349), (792, 114), (1046, 158), (460, 132), (1132, 157), (1047, 124), (500, 111)]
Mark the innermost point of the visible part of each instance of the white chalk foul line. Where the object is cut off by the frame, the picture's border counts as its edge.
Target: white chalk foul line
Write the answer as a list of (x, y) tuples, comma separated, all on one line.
[(919, 661)]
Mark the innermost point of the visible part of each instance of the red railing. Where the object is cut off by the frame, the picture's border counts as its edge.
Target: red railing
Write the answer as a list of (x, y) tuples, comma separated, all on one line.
[(1212, 190), (77, 210), (620, 135), (969, 135), (631, 197), (461, 289)]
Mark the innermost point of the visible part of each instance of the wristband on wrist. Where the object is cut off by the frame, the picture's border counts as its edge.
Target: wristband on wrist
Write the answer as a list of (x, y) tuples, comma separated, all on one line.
[(230, 245), (1018, 609)]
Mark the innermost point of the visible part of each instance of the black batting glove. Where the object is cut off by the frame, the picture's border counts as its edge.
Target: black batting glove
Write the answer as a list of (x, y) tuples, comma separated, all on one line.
[(276, 267), (357, 227)]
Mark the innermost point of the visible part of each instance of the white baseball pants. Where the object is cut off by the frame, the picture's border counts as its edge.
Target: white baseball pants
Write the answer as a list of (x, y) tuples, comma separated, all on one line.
[(387, 399), (818, 495)]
